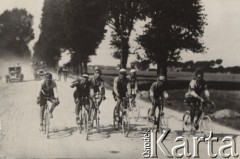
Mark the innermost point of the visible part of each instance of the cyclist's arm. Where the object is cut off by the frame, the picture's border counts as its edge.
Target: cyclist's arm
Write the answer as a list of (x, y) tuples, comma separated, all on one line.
[(39, 89), (115, 86), (206, 91), (55, 92), (151, 92), (102, 89), (192, 91)]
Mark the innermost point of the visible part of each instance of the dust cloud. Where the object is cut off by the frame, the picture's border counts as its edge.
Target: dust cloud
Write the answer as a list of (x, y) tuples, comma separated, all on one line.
[(7, 62)]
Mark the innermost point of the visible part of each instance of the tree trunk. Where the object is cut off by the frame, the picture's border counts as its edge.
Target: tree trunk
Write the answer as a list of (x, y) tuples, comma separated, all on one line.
[(85, 67), (162, 65), (124, 54)]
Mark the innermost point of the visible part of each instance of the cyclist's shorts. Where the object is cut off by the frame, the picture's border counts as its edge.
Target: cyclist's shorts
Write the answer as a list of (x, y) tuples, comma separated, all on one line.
[(43, 101)]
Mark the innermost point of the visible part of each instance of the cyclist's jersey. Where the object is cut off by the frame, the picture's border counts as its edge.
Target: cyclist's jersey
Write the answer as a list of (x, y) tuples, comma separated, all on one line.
[(96, 83), (47, 89), (158, 88), (65, 71), (82, 89), (121, 86), (132, 81), (198, 88)]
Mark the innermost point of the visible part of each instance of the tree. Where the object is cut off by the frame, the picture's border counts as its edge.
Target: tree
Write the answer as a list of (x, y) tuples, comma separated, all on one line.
[(53, 32), (74, 25), (175, 25), (123, 14), (15, 33), (219, 61), (85, 20)]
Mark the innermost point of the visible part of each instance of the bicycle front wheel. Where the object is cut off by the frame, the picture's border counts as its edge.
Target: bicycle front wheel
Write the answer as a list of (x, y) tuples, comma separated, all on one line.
[(125, 123), (186, 121), (205, 125), (85, 121)]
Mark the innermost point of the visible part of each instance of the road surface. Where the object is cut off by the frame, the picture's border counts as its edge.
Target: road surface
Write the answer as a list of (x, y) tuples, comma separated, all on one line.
[(20, 136)]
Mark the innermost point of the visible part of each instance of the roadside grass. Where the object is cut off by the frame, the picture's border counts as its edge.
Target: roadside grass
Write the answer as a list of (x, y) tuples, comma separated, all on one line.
[(224, 90)]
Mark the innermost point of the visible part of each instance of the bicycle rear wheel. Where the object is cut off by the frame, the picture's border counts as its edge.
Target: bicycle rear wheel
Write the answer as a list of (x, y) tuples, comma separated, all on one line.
[(205, 125), (79, 125), (86, 126), (186, 121)]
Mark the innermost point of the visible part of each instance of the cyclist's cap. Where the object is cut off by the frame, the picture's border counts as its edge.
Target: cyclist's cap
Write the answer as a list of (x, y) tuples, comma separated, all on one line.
[(85, 75), (122, 71), (132, 71), (48, 75), (162, 78), (199, 73), (96, 68)]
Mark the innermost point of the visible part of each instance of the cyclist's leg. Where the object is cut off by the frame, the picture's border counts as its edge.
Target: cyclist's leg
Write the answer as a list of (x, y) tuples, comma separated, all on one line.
[(43, 103), (53, 106), (199, 112), (192, 110), (118, 105)]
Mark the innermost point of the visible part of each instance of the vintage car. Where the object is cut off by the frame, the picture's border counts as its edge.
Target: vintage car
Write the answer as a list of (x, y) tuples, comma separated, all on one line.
[(39, 73), (15, 74)]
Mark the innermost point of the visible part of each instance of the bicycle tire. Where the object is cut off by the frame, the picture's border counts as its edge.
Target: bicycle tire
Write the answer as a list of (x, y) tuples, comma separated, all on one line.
[(149, 123), (186, 125), (85, 118), (98, 121), (81, 121), (205, 124), (115, 123), (125, 124)]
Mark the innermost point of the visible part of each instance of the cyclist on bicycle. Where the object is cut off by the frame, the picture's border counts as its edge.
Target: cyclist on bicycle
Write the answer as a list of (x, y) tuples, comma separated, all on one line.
[(157, 91), (132, 86), (59, 72), (193, 98), (83, 92), (97, 84), (47, 90), (65, 72), (120, 89)]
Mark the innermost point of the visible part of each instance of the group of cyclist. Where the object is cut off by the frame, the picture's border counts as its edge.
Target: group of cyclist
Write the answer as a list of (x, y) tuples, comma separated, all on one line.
[(123, 86)]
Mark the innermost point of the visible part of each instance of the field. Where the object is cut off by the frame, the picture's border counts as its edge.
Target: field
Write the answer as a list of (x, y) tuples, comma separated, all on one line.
[(224, 90)]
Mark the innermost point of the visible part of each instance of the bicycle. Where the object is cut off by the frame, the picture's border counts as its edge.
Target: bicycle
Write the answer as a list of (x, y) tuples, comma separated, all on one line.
[(46, 119), (84, 117), (124, 119), (132, 105), (205, 122), (95, 112), (160, 123)]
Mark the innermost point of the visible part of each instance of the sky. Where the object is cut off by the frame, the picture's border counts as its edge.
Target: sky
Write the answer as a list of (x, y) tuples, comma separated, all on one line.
[(222, 35)]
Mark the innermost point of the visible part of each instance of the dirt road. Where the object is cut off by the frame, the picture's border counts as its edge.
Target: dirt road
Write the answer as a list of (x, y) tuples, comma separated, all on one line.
[(20, 136)]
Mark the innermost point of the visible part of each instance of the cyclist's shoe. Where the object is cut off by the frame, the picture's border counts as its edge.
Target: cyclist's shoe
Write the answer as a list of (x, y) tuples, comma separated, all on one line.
[(193, 127), (41, 127), (161, 113), (50, 115), (77, 120), (196, 126)]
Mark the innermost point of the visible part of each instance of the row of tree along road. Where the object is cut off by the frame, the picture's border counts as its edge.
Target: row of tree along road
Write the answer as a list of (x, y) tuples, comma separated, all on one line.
[(79, 26)]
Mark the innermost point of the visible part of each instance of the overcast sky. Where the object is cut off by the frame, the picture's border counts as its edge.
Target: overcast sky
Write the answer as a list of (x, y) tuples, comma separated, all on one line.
[(222, 35)]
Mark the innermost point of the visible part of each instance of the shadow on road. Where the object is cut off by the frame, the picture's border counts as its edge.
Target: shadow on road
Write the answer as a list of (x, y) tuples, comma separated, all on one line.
[(62, 133)]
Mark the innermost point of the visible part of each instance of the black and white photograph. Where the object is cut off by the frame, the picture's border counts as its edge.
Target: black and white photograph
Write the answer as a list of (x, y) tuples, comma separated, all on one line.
[(119, 79)]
